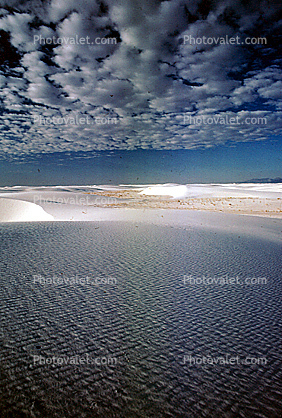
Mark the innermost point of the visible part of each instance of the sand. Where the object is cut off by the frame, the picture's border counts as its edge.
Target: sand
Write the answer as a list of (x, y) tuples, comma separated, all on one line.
[(96, 202), (12, 210)]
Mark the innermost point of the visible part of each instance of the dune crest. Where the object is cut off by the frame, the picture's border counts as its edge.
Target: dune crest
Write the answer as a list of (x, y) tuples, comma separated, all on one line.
[(12, 210)]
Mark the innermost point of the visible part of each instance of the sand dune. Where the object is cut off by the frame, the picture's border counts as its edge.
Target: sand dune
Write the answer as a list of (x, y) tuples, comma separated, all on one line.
[(12, 210), (214, 190), (104, 202)]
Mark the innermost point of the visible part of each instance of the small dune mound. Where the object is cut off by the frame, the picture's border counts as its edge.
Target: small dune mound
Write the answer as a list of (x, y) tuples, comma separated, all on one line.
[(12, 210)]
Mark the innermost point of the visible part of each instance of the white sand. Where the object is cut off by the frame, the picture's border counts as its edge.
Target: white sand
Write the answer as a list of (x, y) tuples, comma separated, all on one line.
[(265, 190), (12, 210), (109, 202)]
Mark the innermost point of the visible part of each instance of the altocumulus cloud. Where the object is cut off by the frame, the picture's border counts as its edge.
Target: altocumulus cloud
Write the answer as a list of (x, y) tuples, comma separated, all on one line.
[(128, 65)]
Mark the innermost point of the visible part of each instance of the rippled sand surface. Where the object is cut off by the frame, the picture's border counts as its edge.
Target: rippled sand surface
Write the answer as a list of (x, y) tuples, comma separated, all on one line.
[(148, 320)]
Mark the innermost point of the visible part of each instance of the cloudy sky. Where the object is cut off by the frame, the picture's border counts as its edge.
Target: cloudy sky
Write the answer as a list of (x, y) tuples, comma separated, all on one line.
[(142, 89)]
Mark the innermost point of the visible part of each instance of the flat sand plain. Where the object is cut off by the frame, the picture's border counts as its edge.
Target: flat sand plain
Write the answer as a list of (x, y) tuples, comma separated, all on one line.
[(244, 205)]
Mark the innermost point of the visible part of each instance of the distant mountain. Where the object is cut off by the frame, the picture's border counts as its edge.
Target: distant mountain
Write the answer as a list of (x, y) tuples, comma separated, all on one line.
[(264, 180)]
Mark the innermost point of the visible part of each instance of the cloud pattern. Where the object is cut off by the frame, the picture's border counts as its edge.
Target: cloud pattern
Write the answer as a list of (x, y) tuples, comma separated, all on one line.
[(142, 85)]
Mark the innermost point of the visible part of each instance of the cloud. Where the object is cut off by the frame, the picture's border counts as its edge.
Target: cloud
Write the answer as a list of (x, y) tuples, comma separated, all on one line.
[(130, 65)]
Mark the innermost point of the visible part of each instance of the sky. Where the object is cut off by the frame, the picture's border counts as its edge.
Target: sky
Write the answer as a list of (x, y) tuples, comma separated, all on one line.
[(141, 91)]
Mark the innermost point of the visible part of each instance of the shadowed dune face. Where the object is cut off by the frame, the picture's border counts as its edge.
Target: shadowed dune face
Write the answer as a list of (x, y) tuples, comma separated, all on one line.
[(12, 210)]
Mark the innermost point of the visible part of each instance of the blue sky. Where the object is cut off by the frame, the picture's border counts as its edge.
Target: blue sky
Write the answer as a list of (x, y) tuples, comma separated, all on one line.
[(221, 164), (159, 91)]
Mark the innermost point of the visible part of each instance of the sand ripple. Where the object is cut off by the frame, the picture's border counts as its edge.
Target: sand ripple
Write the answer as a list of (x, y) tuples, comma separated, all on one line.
[(148, 320)]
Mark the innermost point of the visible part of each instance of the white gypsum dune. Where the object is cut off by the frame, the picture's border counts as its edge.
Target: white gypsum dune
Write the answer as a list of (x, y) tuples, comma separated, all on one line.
[(12, 210)]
